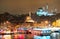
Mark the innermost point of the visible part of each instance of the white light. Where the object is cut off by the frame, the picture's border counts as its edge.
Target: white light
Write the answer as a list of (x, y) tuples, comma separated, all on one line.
[(46, 28), (53, 34)]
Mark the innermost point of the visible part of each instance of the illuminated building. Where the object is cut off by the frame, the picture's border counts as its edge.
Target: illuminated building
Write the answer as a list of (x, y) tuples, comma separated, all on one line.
[(29, 19), (45, 12), (41, 12)]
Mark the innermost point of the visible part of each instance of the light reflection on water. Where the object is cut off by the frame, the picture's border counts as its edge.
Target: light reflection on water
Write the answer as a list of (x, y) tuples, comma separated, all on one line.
[(25, 36), (41, 37)]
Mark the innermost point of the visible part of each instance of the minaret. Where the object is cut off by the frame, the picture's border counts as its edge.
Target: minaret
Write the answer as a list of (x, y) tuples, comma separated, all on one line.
[(55, 10), (43, 8), (30, 14), (47, 6)]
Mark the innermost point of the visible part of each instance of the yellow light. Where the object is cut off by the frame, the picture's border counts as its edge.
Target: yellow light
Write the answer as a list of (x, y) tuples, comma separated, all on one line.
[(58, 22), (46, 22), (29, 19), (54, 23)]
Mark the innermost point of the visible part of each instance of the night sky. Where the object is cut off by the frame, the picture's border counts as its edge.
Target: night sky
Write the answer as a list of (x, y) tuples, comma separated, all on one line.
[(24, 6)]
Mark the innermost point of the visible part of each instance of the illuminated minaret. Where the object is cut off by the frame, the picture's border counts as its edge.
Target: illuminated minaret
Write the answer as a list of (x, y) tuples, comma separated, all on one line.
[(43, 8), (47, 6), (30, 14), (55, 10)]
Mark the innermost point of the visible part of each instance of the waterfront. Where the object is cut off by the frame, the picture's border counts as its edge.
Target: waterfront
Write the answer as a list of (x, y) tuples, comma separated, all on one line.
[(36, 33)]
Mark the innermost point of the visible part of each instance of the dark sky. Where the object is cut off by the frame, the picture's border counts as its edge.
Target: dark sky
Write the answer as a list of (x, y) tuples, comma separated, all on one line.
[(24, 6)]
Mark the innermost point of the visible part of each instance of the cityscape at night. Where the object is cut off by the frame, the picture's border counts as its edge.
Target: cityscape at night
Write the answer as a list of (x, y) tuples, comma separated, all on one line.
[(29, 19)]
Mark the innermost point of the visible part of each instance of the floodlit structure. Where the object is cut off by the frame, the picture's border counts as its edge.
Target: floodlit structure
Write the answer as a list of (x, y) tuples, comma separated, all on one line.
[(43, 11), (29, 19)]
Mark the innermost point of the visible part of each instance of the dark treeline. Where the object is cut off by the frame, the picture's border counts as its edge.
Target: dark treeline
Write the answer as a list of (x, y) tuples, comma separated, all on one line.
[(21, 18), (12, 18)]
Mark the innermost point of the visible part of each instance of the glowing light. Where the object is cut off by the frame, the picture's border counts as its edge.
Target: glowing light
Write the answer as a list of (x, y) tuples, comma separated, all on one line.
[(46, 22), (56, 23), (29, 19), (41, 12), (41, 37)]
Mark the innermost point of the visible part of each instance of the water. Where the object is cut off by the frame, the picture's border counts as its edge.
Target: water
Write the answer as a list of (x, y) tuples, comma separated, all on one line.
[(41, 37)]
